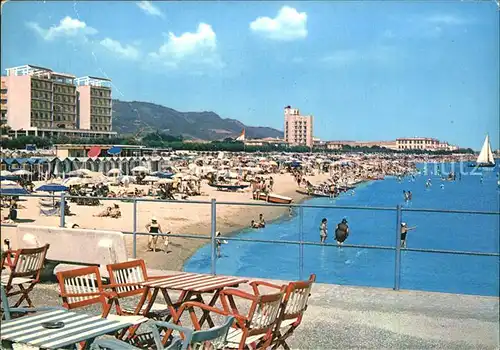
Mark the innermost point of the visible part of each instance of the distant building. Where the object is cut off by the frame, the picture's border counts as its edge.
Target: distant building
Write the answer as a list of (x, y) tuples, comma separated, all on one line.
[(266, 141), (44, 103), (298, 128), (423, 143), (336, 145), (94, 103)]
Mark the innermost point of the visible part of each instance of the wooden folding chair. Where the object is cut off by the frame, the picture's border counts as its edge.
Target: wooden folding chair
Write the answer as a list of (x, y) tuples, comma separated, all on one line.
[(83, 287), (292, 309), (254, 329), (125, 280), (24, 272)]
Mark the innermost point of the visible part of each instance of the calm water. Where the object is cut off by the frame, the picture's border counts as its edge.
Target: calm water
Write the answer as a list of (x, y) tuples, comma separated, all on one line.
[(352, 266)]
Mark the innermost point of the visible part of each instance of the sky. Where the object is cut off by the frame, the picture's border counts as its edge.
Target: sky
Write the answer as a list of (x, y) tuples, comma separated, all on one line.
[(365, 70)]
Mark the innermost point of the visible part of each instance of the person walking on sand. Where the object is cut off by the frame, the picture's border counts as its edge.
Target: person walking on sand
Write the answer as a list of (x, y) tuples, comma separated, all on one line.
[(153, 228), (323, 230), (341, 232), (404, 232)]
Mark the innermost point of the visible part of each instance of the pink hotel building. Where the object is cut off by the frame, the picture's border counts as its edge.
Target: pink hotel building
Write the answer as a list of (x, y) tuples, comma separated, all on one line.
[(298, 128), (40, 102)]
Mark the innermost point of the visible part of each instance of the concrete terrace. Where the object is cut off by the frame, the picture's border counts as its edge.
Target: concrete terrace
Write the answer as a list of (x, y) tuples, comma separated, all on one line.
[(341, 317)]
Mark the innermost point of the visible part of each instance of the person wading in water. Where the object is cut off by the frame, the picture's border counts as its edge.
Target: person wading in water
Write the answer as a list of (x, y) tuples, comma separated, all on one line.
[(341, 232), (323, 230), (404, 231)]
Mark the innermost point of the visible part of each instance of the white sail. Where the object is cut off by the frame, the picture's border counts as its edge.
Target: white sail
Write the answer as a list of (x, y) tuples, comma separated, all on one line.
[(486, 155)]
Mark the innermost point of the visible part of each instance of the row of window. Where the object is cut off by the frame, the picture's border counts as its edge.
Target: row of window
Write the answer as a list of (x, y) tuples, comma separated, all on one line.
[(100, 120), (35, 104), (100, 128), (41, 115), (40, 95), (64, 117), (100, 111), (65, 99), (419, 142), (100, 102), (44, 85), (100, 93), (69, 90)]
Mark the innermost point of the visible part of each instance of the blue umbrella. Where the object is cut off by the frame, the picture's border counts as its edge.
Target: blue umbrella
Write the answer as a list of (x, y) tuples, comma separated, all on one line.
[(52, 188), (13, 190), (114, 150)]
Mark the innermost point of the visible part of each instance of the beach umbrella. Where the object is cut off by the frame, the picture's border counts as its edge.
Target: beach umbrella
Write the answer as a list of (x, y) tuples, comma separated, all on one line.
[(74, 181), (22, 172), (140, 169), (114, 171), (10, 188), (5, 173), (113, 151), (150, 178), (52, 188), (165, 181), (178, 176)]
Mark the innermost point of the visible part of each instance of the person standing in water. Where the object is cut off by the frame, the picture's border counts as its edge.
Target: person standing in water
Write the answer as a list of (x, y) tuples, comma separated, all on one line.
[(404, 232), (405, 195), (219, 242), (410, 195), (341, 232), (323, 230)]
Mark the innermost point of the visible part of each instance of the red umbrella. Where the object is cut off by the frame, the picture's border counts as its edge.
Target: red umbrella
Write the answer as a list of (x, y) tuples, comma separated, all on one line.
[(94, 152)]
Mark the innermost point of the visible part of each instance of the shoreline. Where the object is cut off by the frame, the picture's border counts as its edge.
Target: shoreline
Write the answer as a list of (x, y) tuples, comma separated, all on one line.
[(245, 213)]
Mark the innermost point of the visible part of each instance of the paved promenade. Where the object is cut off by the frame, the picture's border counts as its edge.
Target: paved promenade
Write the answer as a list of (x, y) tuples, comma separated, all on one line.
[(341, 317)]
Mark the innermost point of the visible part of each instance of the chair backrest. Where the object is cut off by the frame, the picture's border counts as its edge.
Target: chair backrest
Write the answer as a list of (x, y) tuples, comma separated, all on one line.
[(81, 287), (296, 297), (128, 272), (215, 336), (264, 312), (28, 262)]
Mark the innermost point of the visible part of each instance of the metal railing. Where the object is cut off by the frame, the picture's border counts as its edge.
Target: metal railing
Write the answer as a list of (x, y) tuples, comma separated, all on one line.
[(301, 243)]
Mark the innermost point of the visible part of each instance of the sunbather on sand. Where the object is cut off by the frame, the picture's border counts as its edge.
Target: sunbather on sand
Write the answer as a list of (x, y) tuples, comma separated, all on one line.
[(104, 213), (115, 212)]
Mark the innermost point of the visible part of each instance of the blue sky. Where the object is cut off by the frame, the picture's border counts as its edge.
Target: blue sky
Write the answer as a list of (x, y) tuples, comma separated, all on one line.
[(365, 70)]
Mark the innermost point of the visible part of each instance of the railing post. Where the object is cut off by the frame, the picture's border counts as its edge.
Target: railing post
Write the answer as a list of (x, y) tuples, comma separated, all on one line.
[(62, 208), (134, 229), (301, 245), (397, 263), (212, 236)]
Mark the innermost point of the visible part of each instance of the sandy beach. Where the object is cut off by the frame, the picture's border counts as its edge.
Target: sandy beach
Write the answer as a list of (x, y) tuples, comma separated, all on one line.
[(178, 218)]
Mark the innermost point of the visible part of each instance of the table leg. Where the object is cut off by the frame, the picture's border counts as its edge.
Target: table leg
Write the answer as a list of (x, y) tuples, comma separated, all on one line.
[(206, 313)]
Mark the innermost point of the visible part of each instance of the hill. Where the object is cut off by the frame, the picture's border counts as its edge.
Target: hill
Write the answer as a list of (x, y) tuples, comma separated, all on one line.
[(132, 117)]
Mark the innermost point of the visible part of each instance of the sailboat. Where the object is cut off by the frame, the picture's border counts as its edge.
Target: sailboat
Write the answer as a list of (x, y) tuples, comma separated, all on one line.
[(485, 158)]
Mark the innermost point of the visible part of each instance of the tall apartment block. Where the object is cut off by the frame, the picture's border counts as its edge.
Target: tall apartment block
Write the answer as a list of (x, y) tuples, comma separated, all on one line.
[(41, 102), (298, 128), (94, 103)]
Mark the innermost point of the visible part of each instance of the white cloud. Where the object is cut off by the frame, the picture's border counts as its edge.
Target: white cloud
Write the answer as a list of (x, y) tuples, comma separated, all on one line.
[(288, 25), (150, 9), (67, 27), (123, 51), (198, 49)]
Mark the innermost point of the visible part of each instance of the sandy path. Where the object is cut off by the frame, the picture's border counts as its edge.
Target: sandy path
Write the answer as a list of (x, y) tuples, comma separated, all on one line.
[(179, 218)]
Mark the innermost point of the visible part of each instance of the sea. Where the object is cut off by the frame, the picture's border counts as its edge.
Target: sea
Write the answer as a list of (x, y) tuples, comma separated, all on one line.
[(464, 274)]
